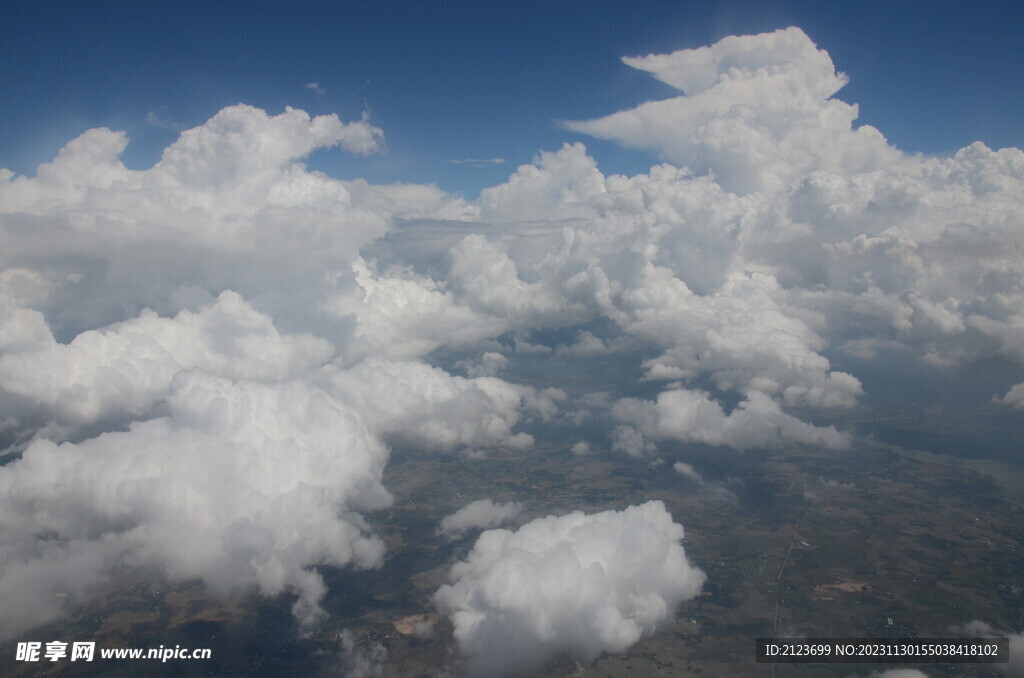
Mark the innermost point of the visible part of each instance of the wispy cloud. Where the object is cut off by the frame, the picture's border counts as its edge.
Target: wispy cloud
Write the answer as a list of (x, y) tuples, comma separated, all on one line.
[(478, 161), (315, 88), (159, 118)]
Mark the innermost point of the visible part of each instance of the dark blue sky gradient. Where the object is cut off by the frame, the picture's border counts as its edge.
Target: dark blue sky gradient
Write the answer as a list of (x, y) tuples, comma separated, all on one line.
[(452, 80)]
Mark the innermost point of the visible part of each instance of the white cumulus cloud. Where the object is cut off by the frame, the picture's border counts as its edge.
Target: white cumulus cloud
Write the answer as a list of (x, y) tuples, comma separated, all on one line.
[(583, 584), (243, 485), (126, 368), (431, 409), (692, 416), (756, 110), (1014, 397), (480, 514)]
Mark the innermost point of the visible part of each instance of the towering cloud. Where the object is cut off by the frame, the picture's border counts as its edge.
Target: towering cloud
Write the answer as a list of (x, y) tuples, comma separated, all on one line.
[(583, 584), (905, 250), (757, 111), (785, 232)]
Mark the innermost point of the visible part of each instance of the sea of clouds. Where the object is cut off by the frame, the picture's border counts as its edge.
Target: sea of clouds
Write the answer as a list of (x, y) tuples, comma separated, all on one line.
[(203, 364)]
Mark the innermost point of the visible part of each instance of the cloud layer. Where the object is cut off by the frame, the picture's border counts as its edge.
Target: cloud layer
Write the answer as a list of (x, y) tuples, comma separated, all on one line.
[(230, 332)]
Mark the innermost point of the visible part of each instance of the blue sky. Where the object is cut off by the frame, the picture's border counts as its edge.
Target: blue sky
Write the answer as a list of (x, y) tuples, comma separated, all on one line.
[(456, 80)]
